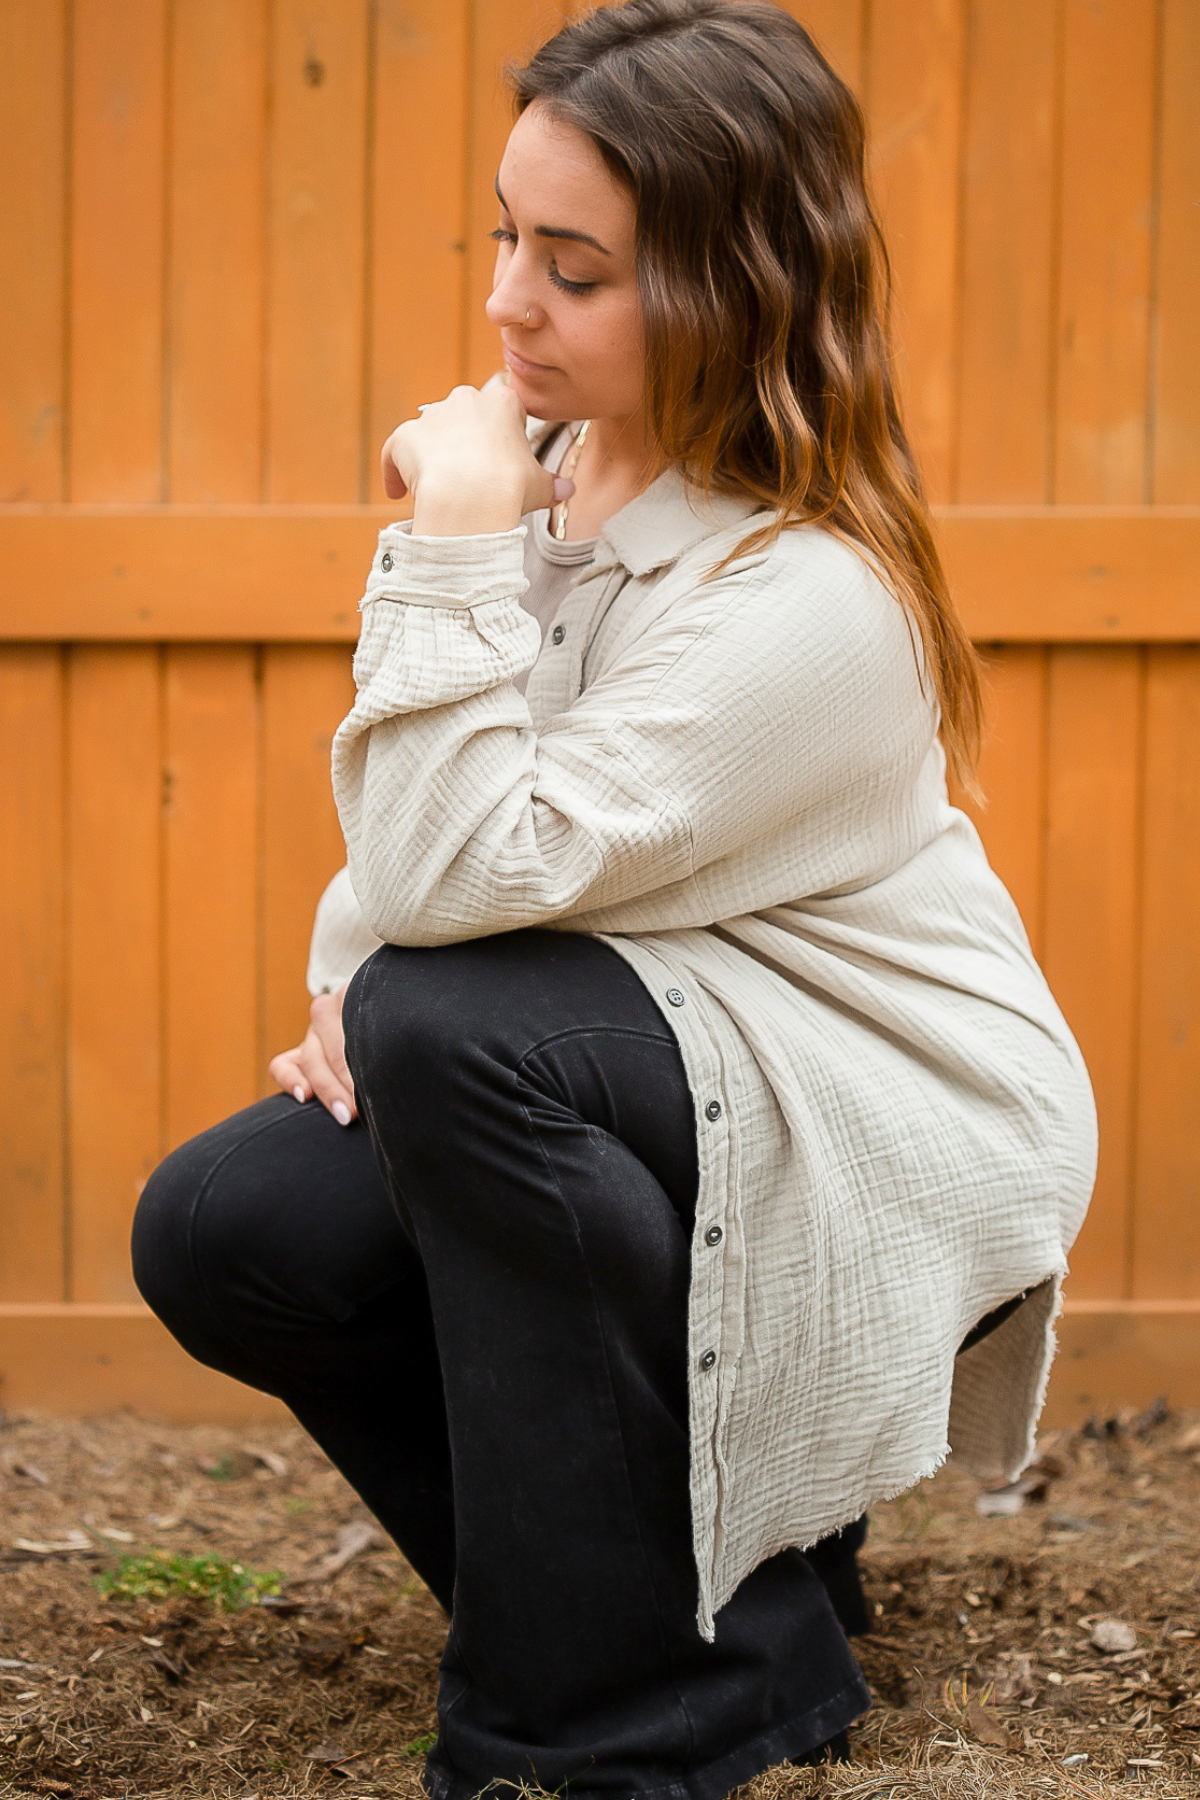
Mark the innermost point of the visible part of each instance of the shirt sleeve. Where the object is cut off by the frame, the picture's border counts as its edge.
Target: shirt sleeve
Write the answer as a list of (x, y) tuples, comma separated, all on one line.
[(752, 702), (341, 938)]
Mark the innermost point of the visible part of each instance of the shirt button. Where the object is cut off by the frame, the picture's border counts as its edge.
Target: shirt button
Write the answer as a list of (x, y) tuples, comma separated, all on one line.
[(557, 635), (708, 1359), (386, 561), (713, 1236), (713, 1110), (674, 996)]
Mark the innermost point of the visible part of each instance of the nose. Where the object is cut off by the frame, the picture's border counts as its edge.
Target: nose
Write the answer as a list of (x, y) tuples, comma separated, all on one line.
[(510, 299)]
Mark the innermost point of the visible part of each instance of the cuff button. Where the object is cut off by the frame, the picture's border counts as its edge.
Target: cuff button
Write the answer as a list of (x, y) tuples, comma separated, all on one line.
[(386, 562)]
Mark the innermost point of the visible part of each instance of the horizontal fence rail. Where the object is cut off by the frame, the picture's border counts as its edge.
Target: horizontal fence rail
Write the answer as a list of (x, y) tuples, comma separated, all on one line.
[(1020, 574)]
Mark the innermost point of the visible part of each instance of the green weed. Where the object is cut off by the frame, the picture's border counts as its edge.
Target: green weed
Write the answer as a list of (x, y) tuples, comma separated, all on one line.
[(161, 1575)]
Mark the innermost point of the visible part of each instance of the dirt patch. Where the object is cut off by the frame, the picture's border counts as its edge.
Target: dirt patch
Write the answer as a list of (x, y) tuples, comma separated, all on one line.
[(985, 1657)]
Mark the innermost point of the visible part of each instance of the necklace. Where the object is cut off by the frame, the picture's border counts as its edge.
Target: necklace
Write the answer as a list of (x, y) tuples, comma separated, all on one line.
[(572, 457)]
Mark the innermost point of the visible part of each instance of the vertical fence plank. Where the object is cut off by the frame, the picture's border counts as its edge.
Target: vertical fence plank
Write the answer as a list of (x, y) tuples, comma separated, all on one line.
[(32, 222), (114, 806), (1176, 413), (217, 168), (1107, 210), (32, 1244), (307, 691), (317, 215), (501, 31), (836, 27), (1008, 165), (914, 82), (210, 831), (1166, 1221), (418, 244), (1012, 773), (117, 169), (1095, 696)]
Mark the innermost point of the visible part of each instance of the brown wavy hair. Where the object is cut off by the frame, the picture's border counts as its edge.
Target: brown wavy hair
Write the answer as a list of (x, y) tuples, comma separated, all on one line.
[(765, 287)]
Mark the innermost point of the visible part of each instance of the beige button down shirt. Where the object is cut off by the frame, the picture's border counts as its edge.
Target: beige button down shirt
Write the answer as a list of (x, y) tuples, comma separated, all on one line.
[(737, 783)]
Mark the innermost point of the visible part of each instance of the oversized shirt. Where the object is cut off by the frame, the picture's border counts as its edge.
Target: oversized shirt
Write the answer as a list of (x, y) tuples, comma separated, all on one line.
[(735, 781)]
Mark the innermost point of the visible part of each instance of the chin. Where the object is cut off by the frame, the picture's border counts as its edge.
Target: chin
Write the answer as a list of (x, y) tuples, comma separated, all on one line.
[(543, 399)]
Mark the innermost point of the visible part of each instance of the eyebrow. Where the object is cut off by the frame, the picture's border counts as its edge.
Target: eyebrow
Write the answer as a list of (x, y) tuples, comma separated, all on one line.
[(558, 231)]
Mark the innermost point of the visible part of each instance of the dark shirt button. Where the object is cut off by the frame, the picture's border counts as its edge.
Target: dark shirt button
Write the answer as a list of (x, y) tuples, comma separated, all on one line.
[(713, 1110), (708, 1359), (674, 996), (713, 1236), (386, 561), (557, 635)]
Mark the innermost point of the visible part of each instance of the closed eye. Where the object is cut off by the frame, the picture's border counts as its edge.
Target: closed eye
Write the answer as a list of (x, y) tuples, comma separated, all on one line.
[(502, 235)]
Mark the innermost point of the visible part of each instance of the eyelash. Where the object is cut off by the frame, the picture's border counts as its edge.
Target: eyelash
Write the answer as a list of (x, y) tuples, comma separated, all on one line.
[(560, 281)]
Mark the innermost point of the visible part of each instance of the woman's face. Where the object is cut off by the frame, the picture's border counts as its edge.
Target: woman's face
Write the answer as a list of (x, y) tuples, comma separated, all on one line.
[(565, 257)]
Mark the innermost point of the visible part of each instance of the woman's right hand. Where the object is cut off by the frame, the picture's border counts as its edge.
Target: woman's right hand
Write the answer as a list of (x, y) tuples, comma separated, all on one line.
[(318, 1065)]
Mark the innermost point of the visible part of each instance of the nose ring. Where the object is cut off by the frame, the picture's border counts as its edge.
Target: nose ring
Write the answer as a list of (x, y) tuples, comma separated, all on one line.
[(528, 310)]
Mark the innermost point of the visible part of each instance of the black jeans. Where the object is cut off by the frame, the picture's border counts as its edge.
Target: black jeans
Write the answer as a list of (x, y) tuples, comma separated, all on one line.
[(490, 1342)]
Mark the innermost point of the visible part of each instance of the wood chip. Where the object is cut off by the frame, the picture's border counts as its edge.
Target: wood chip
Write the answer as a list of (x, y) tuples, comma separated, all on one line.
[(269, 1459), (77, 1543), (29, 1472), (352, 1540), (1113, 1635)]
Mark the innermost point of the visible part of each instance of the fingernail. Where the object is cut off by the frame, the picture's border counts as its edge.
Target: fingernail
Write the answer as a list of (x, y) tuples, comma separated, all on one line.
[(564, 487), (341, 1112), (298, 1091)]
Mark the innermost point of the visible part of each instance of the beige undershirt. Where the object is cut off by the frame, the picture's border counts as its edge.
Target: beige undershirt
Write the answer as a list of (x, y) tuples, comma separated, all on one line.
[(549, 563)]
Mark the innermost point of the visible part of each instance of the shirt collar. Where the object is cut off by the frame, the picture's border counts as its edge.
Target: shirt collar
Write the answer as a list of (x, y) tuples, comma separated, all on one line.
[(658, 525)]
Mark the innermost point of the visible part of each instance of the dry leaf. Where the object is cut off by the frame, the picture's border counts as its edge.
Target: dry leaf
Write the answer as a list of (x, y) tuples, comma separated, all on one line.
[(987, 1727), (328, 1753)]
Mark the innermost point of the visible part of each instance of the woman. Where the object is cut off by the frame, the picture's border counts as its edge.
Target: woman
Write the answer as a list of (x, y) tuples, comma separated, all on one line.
[(713, 1099)]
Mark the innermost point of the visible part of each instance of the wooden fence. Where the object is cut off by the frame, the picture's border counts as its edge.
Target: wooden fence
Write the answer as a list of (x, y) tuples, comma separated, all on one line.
[(240, 240)]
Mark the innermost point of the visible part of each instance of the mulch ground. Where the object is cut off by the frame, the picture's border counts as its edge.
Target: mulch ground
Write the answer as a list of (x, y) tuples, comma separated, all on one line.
[(985, 1658)]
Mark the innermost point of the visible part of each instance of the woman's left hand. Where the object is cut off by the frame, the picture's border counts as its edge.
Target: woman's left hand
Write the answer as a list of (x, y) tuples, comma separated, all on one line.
[(316, 1069), (468, 465)]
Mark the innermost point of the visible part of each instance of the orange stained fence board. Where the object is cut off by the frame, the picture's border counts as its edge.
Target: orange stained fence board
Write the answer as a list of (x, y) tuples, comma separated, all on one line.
[(116, 255), (211, 925), (32, 1117), (63, 1360), (503, 31), (1105, 278), (255, 574), (836, 27), (317, 232), (913, 83), (33, 91), (307, 690), (1176, 408), (113, 1006), (217, 264), (1013, 774), (90, 1359), (1002, 393), (1166, 1214), (1117, 1356), (418, 248), (1094, 743)]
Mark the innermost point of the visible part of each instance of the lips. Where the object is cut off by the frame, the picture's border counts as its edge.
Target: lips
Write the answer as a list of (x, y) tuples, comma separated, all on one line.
[(521, 365)]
